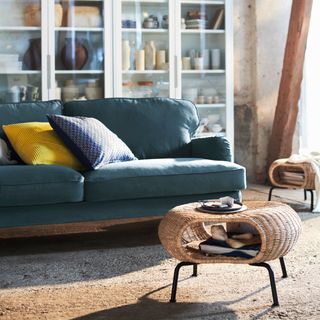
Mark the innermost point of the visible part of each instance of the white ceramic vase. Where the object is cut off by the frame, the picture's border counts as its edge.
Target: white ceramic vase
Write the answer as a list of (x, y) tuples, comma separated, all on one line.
[(150, 52), (125, 55), (139, 59)]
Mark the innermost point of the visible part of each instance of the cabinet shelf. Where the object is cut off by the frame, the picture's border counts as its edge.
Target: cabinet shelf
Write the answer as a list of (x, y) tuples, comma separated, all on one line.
[(206, 31), (78, 29), (211, 2), (215, 71), (144, 30), (145, 1), (211, 134), (81, 0), (20, 28), (20, 72), (145, 72), (79, 71), (211, 105)]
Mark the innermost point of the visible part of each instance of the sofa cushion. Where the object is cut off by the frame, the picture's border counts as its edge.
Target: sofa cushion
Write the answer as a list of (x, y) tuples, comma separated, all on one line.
[(151, 127), (162, 178), (91, 141), (27, 112), (41, 184), (37, 143)]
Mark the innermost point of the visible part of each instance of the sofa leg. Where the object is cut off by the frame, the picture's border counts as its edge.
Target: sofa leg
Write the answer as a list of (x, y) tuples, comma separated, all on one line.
[(272, 281), (176, 277)]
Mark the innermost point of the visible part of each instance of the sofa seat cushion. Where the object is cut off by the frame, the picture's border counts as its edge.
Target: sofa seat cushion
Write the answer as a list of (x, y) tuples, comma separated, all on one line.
[(22, 185), (162, 178)]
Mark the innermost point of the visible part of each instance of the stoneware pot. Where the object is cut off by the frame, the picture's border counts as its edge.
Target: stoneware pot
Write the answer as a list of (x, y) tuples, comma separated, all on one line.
[(32, 57), (74, 54)]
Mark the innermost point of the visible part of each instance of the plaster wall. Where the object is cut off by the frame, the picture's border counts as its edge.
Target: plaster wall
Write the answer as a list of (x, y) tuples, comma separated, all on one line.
[(260, 33)]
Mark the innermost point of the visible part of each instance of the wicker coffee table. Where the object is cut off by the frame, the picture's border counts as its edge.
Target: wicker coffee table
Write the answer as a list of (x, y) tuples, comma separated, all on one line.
[(278, 225)]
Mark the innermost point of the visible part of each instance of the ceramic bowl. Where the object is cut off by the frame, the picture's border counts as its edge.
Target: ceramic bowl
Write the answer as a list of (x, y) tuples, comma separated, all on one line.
[(214, 127), (93, 92), (209, 92), (213, 118), (70, 93), (190, 94)]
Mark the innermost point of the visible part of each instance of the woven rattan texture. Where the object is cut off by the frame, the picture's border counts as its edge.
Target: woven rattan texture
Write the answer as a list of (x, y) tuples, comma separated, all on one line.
[(278, 225), (282, 164)]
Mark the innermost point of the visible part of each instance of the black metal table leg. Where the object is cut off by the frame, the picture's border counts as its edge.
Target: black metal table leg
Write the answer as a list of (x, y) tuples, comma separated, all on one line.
[(270, 193), (283, 268), (195, 270), (176, 277), (272, 282), (311, 205)]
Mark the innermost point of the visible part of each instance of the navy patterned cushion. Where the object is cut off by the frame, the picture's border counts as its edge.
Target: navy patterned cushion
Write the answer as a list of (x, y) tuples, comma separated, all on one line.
[(90, 140)]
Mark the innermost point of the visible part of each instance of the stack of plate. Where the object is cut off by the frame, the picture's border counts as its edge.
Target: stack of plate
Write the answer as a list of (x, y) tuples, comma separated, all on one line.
[(196, 23), (215, 206), (10, 62)]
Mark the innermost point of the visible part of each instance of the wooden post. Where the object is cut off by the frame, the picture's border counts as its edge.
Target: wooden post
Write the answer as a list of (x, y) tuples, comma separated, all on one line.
[(286, 112)]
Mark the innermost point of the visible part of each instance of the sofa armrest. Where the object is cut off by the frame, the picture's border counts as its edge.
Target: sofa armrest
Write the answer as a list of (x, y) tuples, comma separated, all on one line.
[(214, 148)]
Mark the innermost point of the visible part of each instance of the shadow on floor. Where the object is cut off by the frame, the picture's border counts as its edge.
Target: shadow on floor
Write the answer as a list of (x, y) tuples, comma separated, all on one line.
[(118, 236), (148, 308)]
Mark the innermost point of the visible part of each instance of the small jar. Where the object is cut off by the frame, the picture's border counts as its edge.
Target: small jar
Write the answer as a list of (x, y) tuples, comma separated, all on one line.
[(144, 89), (148, 23), (126, 89), (165, 22)]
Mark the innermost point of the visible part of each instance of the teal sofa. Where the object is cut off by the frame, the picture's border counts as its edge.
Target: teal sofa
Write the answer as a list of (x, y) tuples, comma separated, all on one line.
[(173, 167)]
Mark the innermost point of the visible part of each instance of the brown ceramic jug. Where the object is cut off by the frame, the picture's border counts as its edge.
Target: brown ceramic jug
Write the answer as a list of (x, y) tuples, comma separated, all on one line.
[(74, 54), (32, 57)]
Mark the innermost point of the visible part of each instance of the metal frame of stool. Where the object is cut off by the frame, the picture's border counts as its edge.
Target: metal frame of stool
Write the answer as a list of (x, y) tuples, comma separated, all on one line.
[(261, 264), (305, 195)]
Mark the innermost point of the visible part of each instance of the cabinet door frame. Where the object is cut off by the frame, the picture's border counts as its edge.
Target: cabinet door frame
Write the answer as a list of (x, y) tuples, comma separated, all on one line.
[(49, 54), (49, 50), (229, 72), (109, 66), (117, 46)]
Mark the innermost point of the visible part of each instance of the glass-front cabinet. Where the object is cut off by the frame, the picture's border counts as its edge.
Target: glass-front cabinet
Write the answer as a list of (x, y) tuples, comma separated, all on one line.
[(145, 34), (21, 66), (178, 49), (203, 73), (89, 49), (79, 45)]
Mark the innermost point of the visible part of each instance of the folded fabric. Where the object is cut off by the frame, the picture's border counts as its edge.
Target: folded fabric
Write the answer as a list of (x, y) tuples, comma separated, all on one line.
[(213, 246), (91, 141)]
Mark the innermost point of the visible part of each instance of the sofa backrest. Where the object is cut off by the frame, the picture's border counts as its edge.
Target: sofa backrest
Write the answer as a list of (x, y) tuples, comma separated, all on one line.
[(151, 127), (27, 112)]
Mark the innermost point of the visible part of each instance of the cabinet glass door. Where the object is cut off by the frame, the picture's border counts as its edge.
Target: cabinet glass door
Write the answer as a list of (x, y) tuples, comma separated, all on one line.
[(142, 55), (79, 50), (203, 64), (20, 51)]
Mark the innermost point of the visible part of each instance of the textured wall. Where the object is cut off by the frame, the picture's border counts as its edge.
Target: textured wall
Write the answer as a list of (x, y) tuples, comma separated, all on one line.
[(260, 32)]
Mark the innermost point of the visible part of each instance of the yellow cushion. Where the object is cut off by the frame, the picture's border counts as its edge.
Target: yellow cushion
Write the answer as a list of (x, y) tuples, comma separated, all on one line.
[(37, 143)]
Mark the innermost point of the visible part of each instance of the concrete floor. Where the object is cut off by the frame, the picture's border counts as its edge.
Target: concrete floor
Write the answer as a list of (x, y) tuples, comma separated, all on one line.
[(124, 273)]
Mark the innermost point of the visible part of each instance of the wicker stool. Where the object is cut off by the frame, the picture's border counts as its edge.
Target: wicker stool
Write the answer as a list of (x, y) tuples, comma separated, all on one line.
[(281, 166), (278, 225)]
